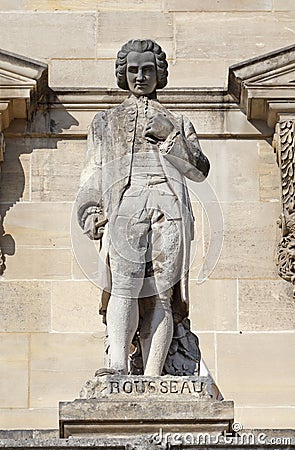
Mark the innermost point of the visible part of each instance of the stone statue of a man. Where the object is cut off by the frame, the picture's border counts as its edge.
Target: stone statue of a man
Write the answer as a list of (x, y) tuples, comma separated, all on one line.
[(134, 199)]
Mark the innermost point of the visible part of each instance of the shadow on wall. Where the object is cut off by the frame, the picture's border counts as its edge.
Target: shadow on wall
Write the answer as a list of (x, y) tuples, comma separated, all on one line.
[(16, 165)]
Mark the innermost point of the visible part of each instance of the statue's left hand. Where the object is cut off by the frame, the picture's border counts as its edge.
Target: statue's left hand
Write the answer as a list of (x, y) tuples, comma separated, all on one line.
[(158, 128)]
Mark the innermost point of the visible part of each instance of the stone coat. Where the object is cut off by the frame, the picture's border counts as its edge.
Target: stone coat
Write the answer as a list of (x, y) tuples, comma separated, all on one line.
[(107, 171)]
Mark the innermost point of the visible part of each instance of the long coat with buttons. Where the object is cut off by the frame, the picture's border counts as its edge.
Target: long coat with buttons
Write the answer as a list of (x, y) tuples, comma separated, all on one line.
[(107, 171)]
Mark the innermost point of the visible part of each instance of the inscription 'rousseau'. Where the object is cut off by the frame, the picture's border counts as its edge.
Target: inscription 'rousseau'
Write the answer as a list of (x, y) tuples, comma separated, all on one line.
[(151, 387)]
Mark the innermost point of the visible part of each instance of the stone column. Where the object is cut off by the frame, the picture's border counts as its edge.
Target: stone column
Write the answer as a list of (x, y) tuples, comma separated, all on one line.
[(284, 145)]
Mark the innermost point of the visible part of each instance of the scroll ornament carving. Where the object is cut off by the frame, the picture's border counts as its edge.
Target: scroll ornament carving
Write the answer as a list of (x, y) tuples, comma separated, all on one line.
[(284, 145)]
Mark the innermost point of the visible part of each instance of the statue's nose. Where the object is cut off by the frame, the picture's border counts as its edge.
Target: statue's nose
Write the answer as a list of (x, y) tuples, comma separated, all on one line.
[(140, 75)]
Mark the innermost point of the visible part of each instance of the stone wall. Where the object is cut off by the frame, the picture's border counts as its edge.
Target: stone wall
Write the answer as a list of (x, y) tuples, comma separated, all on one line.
[(51, 339)]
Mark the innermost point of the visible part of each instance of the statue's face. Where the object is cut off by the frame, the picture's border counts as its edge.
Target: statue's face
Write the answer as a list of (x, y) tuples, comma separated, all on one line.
[(141, 73)]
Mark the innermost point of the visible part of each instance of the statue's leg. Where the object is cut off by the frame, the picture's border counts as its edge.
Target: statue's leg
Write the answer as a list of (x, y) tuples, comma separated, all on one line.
[(122, 322), (166, 254), (156, 332), (127, 262)]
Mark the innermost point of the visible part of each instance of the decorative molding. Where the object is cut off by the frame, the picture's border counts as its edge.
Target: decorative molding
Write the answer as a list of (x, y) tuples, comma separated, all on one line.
[(23, 82), (284, 145), (264, 87)]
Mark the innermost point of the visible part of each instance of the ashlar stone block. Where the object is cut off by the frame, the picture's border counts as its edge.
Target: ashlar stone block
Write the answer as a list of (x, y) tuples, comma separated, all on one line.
[(234, 169), (226, 33), (87, 73), (217, 5), (45, 31), (75, 307), (15, 177), (29, 418), (14, 384), (283, 5), (255, 368), (11, 5), (250, 240), (39, 225), (25, 306), (60, 364), (144, 24), (198, 73), (282, 418), (60, 5), (45, 264), (266, 305), (56, 172), (269, 174), (14, 347), (213, 305)]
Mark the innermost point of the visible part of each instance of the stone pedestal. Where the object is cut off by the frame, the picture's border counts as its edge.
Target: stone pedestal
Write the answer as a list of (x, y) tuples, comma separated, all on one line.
[(127, 406)]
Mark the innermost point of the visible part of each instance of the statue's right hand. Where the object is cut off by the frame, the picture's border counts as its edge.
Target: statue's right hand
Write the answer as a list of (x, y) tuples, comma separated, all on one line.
[(92, 227)]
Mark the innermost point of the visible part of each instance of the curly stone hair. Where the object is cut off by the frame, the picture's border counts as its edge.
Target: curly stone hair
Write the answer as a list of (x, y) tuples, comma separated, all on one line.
[(141, 46)]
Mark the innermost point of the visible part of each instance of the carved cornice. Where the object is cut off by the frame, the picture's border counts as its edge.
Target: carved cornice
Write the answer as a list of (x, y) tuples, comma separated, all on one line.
[(264, 87), (23, 82)]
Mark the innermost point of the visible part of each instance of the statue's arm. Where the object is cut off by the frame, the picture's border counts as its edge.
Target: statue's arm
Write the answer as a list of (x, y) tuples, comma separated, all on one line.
[(89, 201), (183, 150)]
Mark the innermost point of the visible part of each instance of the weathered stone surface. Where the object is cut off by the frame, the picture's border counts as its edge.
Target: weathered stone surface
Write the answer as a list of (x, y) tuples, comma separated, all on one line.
[(29, 418), (250, 241), (14, 378), (14, 356), (126, 418), (216, 5), (268, 417), (256, 438), (75, 307), (233, 160), (143, 24), (25, 306), (60, 363), (75, 30), (254, 369), (14, 347), (269, 174), (10, 5), (222, 28), (56, 172), (283, 5), (198, 72), (59, 5), (40, 225), (15, 177), (266, 305), (87, 73), (214, 305), (38, 263)]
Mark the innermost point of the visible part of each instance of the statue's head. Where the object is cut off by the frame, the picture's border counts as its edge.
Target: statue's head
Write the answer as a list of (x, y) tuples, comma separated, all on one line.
[(141, 67)]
